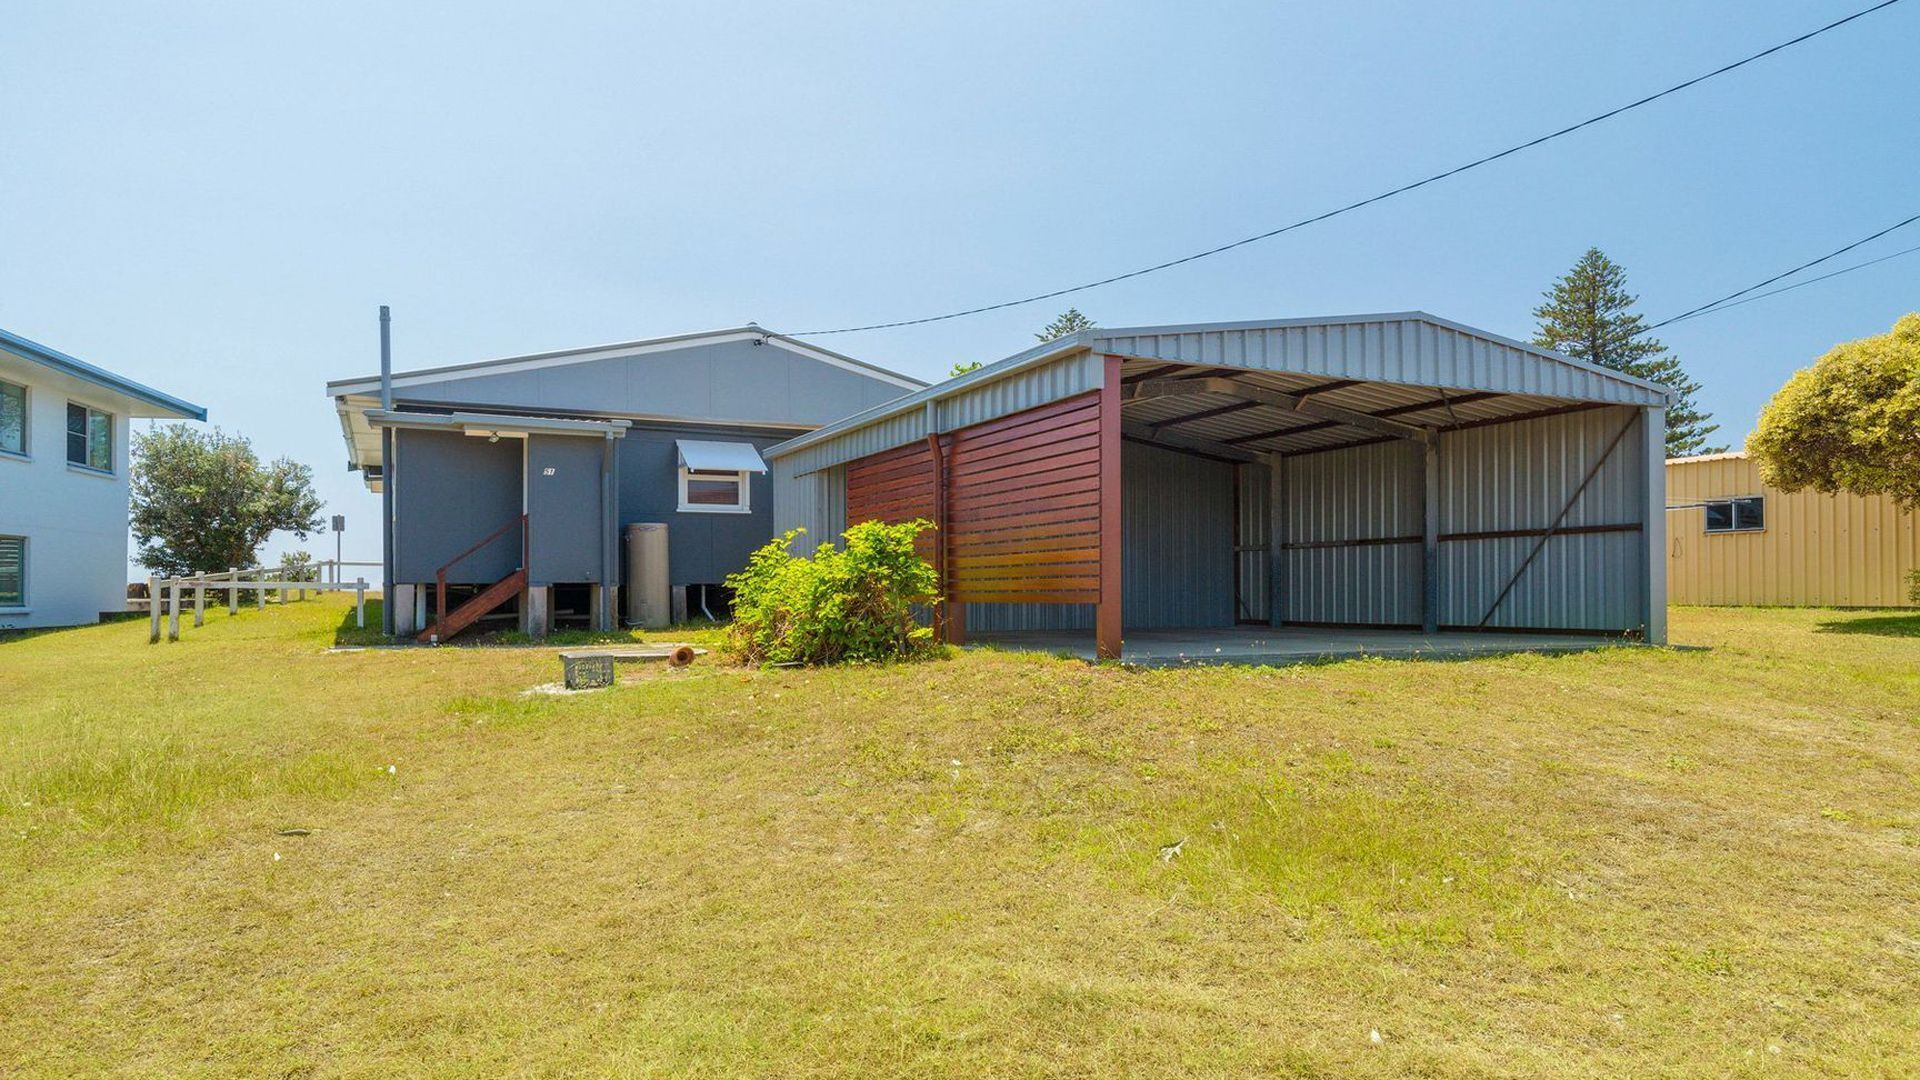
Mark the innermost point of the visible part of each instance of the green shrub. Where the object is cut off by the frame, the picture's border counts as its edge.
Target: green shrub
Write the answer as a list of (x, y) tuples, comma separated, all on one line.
[(840, 604)]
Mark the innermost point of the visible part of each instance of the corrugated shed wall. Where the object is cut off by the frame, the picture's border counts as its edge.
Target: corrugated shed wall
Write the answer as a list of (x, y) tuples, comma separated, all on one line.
[(1826, 550), (1177, 563), (1370, 494), (1252, 526), (816, 502), (1177, 539), (1519, 476), (1354, 523), (1409, 351)]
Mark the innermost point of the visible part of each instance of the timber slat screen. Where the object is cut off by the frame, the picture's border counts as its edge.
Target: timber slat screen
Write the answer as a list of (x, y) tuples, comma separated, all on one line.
[(1022, 503), (893, 486)]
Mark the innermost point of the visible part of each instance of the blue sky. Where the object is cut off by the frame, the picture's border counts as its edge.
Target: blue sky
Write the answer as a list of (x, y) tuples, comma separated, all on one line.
[(214, 198)]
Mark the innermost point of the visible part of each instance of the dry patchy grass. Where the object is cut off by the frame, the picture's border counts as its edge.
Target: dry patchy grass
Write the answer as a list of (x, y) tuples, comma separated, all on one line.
[(1624, 862)]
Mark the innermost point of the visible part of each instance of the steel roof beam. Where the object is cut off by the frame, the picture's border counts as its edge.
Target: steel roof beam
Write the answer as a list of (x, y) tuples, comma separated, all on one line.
[(1291, 402), (1203, 414), (1133, 429)]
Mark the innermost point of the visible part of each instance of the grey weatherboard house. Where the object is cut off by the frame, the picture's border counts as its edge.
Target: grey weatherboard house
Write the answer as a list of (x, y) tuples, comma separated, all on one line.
[(512, 479)]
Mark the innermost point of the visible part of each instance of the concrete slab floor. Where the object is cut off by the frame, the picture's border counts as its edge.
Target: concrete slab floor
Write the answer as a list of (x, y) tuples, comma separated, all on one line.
[(1273, 646)]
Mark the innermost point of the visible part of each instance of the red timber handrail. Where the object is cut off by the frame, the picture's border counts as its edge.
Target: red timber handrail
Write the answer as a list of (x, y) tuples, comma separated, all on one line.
[(440, 575)]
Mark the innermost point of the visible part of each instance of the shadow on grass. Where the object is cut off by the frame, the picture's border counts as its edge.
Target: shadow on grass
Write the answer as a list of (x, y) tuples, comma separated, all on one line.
[(1877, 625), (349, 634)]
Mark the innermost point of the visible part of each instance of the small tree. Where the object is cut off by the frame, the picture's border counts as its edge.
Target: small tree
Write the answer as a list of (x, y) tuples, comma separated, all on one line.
[(298, 566), (1589, 316), (202, 501), (1069, 322), (855, 603), (961, 369), (1851, 422)]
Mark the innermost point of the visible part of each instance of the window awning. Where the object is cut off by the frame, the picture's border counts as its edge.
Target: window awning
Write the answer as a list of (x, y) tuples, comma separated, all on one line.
[(719, 456)]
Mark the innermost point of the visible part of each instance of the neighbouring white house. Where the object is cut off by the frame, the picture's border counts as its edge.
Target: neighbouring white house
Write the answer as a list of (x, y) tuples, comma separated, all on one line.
[(64, 427)]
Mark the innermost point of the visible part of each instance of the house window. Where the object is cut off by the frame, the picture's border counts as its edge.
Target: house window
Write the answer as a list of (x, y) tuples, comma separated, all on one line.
[(89, 437), (1737, 515), (13, 418), (714, 491), (13, 571)]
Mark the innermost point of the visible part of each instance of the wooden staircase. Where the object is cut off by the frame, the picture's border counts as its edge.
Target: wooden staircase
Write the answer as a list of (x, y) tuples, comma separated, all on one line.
[(448, 623), (452, 622)]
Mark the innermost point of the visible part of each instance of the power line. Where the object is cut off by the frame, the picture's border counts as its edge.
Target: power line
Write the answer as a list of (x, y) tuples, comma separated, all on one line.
[(1403, 189), (1704, 308), (1799, 284)]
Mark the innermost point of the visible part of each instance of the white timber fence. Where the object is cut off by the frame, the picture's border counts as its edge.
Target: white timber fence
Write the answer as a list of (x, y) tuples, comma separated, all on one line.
[(290, 582)]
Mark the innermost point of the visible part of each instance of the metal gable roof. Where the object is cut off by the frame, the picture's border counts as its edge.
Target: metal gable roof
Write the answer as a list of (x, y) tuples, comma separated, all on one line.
[(1410, 348), (33, 351)]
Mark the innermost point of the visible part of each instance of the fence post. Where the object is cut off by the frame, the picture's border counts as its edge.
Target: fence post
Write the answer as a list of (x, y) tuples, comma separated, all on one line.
[(153, 609), (233, 590), (260, 594), (360, 603), (200, 601), (173, 610)]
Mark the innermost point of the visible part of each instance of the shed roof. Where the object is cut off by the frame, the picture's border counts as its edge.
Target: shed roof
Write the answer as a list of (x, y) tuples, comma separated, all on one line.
[(157, 403), (1363, 357)]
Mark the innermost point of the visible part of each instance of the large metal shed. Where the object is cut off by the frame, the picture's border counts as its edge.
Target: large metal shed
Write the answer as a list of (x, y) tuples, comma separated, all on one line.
[(1266, 488)]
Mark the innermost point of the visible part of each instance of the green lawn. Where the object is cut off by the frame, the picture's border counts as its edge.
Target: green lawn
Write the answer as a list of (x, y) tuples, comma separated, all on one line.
[(1627, 862)]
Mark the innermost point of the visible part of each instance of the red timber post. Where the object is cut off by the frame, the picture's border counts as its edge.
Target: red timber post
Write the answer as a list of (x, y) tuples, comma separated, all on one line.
[(1107, 612), (947, 623), (953, 621)]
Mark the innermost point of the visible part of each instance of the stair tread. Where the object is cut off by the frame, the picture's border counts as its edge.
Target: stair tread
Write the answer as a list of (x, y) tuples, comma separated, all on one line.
[(475, 608)]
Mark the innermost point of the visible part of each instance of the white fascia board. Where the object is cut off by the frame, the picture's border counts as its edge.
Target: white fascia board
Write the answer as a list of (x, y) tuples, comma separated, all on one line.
[(540, 361), (494, 422)]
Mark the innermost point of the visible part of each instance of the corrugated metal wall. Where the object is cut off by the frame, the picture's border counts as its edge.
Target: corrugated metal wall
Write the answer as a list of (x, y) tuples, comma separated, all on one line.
[(1353, 527), (1518, 477), (1252, 543), (1349, 516), (1177, 535), (816, 502), (1827, 550)]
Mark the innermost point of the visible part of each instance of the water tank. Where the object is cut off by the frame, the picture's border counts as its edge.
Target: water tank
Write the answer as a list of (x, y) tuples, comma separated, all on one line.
[(649, 598)]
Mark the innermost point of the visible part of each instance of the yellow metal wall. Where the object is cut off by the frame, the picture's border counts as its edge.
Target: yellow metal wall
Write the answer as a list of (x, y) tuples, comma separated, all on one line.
[(1817, 550)]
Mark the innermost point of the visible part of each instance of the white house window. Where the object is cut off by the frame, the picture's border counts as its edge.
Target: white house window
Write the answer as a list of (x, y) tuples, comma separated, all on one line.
[(712, 491), (13, 418), (717, 477), (13, 571), (89, 437), (1737, 515)]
